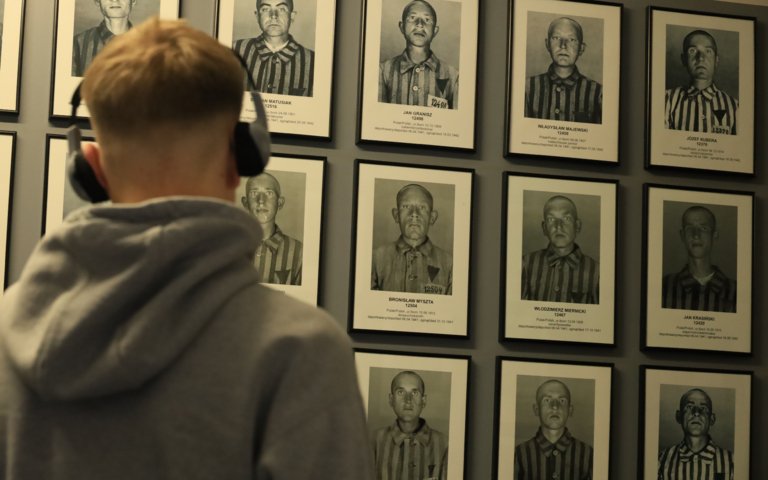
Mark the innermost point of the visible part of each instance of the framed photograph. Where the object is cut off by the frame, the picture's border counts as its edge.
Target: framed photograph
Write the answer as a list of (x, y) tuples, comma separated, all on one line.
[(7, 160), (563, 79), (421, 399), (83, 27), (701, 91), (542, 406), (694, 424), (560, 255), (411, 59), (287, 200), (288, 49), (11, 34), (412, 247), (59, 198), (698, 248)]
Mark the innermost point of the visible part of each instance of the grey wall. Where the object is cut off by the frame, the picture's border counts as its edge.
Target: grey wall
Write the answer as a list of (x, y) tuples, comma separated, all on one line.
[(32, 124)]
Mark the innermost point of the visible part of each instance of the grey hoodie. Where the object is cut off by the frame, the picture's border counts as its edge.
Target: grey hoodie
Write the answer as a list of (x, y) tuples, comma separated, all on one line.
[(138, 344)]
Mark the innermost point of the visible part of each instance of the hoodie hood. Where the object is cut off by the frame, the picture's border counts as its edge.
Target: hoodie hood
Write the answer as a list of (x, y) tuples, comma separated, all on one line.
[(110, 299)]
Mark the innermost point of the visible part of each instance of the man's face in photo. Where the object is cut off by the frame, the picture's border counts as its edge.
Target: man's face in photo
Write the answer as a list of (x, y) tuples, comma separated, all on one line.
[(407, 397), (563, 44), (414, 214), (695, 415), (561, 222), (698, 233), (115, 8), (700, 57), (419, 25), (553, 406), (263, 198), (275, 16)]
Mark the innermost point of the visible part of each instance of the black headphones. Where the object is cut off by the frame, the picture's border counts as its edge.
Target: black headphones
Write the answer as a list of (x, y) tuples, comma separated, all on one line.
[(251, 145)]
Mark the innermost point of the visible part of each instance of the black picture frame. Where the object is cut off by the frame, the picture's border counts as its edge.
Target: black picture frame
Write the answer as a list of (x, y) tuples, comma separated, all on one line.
[(65, 77), (574, 301), (7, 168), (662, 391), (436, 302), (689, 128), (298, 112), (536, 123), (59, 198), (377, 371), (301, 181), (714, 230), (583, 382), (11, 47), (439, 112)]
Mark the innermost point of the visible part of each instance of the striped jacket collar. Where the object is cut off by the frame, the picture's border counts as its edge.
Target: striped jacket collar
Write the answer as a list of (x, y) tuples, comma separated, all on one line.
[(568, 81), (425, 248), (717, 283), (105, 34), (285, 54), (422, 434), (433, 63), (573, 259), (561, 445), (707, 454), (709, 93), (273, 242)]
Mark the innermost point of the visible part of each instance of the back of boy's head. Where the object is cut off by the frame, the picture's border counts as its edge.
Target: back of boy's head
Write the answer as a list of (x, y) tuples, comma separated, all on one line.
[(162, 73)]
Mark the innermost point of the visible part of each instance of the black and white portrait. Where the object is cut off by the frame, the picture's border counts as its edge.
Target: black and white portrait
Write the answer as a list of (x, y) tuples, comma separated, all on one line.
[(561, 247), (564, 68), (60, 197), (555, 412), (698, 268), (696, 424), (416, 408), (276, 201), (412, 241), (702, 80), (553, 407), (11, 34), (700, 91), (699, 257), (98, 21), (696, 432), (419, 53), (410, 404), (276, 38), (413, 237), (7, 154)]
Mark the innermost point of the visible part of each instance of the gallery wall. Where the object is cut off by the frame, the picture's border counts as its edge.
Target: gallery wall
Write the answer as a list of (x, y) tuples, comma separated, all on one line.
[(32, 124)]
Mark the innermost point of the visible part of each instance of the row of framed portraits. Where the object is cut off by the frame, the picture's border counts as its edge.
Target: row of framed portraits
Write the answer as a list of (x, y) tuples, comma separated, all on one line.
[(690, 421), (563, 80), (411, 249)]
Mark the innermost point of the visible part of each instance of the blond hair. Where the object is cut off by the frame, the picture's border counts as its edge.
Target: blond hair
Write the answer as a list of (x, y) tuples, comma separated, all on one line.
[(161, 73)]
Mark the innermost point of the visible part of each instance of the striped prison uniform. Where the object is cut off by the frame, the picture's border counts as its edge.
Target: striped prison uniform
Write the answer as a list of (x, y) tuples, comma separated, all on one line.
[(87, 44), (567, 459), (572, 278), (678, 462), (575, 98), (398, 267), (710, 110), (278, 259), (681, 290), (421, 455), (431, 83), (288, 71)]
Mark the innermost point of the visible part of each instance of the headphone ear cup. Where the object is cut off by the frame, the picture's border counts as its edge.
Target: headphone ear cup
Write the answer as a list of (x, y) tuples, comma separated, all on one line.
[(251, 147), (81, 175)]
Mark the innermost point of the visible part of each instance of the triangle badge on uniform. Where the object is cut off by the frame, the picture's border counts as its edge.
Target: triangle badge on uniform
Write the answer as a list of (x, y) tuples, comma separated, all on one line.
[(433, 271), (282, 276)]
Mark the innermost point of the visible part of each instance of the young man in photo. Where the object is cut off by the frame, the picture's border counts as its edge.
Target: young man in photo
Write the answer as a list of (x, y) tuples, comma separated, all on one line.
[(138, 341), (277, 62), (87, 44), (562, 92), (696, 457), (278, 256), (700, 285), (409, 449), (412, 263), (561, 272), (553, 452), (417, 76), (700, 106)]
